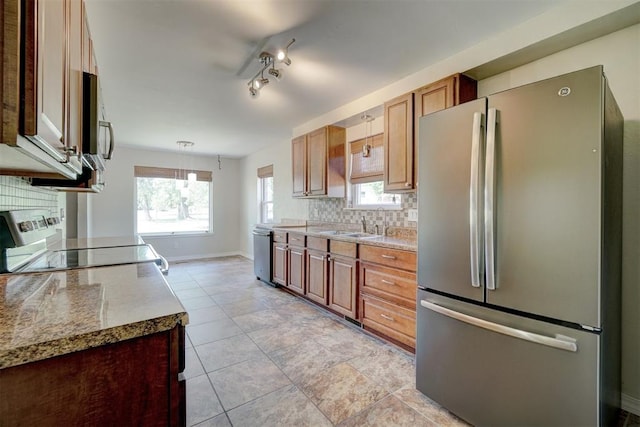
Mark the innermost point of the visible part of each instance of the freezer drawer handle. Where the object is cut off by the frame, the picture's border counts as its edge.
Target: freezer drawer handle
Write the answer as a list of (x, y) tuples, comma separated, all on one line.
[(560, 342)]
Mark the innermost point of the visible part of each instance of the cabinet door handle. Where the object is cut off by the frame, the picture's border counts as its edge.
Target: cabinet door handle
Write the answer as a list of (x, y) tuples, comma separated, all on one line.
[(112, 141), (406, 184), (388, 256), (386, 316), (387, 282)]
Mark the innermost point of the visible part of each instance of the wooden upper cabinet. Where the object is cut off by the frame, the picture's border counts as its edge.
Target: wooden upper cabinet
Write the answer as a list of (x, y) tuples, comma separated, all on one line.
[(299, 165), (398, 144), (317, 152), (318, 163), (51, 47), (74, 102), (445, 93), (401, 126)]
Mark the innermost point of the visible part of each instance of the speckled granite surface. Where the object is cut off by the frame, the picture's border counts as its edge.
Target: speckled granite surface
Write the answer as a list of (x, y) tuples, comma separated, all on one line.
[(398, 238), (43, 315)]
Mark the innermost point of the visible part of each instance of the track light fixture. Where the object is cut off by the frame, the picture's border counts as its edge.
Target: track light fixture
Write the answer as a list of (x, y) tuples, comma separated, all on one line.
[(268, 60)]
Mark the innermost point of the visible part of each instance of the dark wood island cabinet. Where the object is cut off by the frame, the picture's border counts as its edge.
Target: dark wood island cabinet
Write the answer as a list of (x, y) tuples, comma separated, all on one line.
[(74, 351)]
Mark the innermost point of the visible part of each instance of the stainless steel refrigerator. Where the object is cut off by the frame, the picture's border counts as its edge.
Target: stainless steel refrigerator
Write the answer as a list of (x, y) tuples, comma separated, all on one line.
[(520, 255)]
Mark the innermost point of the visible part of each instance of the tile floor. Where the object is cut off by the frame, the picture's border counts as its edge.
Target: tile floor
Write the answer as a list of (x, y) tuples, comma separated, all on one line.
[(257, 356)]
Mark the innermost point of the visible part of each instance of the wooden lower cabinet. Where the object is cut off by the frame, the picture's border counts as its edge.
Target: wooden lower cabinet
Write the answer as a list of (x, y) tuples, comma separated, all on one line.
[(296, 269), (390, 319), (280, 263), (317, 276), (388, 291), (132, 382), (343, 285)]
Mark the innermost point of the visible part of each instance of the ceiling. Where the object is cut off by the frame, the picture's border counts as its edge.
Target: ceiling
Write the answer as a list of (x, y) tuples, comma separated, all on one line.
[(178, 69)]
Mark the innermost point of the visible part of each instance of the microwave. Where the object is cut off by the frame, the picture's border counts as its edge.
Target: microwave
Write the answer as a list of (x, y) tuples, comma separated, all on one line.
[(97, 133)]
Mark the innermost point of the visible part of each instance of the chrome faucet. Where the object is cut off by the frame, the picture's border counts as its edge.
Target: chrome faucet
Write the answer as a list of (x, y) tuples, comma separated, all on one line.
[(384, 222), (363, 225)]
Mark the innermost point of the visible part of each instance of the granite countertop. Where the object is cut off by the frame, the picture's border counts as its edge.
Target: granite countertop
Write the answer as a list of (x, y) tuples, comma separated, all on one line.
[(398, 241), (43, 315), (95, 242)]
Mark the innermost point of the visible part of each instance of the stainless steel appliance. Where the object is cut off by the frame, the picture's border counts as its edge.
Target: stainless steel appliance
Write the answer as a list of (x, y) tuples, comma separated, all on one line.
[(262, 247), (519, 255), (24, 247), (94, 143)]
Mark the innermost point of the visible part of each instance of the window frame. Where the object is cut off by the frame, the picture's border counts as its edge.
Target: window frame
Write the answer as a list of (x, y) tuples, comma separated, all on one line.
[(355, 200), (265, 173), (165, 173), (264, 202)]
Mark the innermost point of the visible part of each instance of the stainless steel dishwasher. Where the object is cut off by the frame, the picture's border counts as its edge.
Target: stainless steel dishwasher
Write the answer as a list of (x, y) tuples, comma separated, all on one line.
[(262, 247)]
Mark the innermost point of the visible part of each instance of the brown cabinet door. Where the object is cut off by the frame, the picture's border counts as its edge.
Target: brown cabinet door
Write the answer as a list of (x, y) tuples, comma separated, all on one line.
[(51, 74), (317, 276), (317, 162), (76, 31), (296, 276), (398, 144), (343, 285), (299, 166), (280, 263)]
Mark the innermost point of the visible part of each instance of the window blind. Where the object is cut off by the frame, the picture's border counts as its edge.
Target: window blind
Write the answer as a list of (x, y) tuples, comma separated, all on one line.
[(366, 169), (171, 173), (265, 171)]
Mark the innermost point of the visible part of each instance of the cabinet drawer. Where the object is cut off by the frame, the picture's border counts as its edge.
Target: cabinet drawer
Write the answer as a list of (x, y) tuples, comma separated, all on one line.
[(405, 260), (389, 319), (389, 283), (318, 243), (280, 236), (296, 239), (348, 249)]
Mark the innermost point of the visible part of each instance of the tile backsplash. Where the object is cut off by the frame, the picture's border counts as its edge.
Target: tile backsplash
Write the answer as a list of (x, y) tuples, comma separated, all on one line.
[(333, 210), (17, 193)]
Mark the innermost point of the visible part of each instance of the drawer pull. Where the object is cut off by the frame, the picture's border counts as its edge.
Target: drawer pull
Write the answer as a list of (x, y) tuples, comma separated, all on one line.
[(386, 316), (385, 256), (388, 282)]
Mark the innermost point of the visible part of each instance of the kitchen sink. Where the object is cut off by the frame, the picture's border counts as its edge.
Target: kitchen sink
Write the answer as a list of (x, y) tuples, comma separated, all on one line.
[(344, 233)]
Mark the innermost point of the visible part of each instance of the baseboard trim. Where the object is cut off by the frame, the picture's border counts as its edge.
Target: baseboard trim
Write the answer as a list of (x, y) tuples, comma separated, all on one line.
[(203, 256), (630, 404)]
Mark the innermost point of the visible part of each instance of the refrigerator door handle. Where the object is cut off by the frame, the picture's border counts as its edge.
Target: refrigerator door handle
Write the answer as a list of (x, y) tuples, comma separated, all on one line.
[(489, 199), (560, 342), (474, 202)]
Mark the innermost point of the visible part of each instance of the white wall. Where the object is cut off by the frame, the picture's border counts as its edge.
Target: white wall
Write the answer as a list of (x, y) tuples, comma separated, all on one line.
[(619, 52), (284, 206), (114, 208)]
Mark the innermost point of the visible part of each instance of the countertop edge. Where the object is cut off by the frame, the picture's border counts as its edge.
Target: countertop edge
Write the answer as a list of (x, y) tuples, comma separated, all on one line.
[(45, 350)]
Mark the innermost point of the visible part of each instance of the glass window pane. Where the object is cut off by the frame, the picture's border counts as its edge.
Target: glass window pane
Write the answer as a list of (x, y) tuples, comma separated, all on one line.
[(167, 206), (372, 193)]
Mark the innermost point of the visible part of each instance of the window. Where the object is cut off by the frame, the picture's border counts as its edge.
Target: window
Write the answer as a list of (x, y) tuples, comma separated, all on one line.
[(168, 205), (265, 193), (370, 195), (366, 174)]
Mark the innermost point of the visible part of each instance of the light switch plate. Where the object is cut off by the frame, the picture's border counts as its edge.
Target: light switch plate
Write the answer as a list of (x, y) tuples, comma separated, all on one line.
[(413, 215)]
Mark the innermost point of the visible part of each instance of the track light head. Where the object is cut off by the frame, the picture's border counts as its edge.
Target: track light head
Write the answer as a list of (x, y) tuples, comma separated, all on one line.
[(253, 92), (275, 73)]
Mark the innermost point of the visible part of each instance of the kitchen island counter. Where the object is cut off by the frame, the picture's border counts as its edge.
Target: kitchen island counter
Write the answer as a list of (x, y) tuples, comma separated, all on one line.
[(43, 315)]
